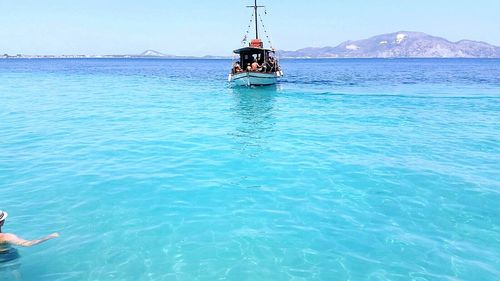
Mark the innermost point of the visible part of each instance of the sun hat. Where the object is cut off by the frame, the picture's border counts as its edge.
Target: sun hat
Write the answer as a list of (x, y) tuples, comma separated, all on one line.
[(3, 215)]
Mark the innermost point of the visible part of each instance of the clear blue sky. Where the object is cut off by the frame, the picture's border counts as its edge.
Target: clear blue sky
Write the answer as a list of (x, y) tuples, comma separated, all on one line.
[(195, 27)]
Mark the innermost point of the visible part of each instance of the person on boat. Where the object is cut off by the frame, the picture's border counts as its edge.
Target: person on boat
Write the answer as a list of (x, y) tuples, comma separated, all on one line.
[(11, 239), (237, 67), (249, 67), (256, 66), (272, 64), (267, 66)]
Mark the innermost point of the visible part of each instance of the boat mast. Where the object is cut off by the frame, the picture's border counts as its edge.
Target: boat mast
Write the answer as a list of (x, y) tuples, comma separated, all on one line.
[(256, 10), (256, 25)]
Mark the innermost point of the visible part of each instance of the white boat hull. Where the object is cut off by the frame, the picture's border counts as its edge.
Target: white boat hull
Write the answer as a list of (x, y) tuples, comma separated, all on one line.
[(255, 78)]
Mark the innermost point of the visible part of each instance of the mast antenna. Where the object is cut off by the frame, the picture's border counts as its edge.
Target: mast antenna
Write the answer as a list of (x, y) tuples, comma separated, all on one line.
[(256, 11)]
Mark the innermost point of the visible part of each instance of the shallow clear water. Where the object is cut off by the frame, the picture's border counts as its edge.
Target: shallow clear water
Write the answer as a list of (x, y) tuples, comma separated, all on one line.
[(157, 170)]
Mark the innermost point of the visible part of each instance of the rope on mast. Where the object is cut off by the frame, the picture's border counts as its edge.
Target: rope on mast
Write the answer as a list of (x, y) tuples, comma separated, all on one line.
[(245, 38), (265, 31)]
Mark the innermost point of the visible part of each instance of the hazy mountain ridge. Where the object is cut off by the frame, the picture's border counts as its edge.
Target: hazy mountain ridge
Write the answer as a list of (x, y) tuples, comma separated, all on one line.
[(152, 53), (156, 54), (403, 44)]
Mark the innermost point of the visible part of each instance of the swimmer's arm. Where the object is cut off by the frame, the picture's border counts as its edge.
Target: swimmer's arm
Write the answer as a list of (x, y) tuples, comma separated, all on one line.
[(14, 240)]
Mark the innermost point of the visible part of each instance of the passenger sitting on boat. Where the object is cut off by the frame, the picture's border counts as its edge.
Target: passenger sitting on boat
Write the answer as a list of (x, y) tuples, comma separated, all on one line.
[(237, 67), (264, 67), (272, 64), (256, 66), (249, 67), (267, 66)]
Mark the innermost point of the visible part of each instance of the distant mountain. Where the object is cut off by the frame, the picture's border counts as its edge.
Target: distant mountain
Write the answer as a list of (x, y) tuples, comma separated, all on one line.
[(156, 54), (153, 53), (403, 44)]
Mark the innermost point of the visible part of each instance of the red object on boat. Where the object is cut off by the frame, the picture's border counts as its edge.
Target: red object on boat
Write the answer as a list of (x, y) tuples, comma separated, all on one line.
[(256, 43)]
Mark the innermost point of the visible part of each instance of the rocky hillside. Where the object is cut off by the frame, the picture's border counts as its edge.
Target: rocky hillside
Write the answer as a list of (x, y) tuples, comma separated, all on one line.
[(401, 44)]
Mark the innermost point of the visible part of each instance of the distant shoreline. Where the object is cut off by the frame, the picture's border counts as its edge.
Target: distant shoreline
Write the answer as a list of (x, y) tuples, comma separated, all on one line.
[(397, 45), (230, 58), (109, 57)]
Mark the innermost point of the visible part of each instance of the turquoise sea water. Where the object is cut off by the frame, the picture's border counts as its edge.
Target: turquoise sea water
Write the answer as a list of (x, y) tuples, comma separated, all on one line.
[(157, 170)]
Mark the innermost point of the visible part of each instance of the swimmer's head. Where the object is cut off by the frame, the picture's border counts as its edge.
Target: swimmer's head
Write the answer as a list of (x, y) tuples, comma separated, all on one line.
[(3, 216)]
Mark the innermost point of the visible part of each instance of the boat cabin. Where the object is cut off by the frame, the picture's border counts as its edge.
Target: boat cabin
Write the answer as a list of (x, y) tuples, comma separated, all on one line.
[(256, 53)]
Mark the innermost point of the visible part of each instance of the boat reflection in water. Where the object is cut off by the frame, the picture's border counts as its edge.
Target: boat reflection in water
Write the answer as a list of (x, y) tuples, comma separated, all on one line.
[(254, 118), (253, 135)]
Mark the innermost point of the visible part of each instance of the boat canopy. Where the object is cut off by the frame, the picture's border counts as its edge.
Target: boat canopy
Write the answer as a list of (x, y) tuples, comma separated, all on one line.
[(249, 55), (252, 50)]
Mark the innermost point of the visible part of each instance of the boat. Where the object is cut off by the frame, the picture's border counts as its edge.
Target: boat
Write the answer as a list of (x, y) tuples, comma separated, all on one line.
[(267, 70)]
